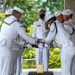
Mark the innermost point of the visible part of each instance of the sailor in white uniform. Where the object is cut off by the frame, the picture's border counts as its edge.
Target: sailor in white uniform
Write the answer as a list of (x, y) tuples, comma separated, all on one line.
[(62, 38), (16, 50), (10, 29), (49, 20), (69, 25), (39, 32)]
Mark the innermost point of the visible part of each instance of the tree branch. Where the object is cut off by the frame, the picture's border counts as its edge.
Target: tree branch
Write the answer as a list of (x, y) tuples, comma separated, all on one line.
[(4, 6)]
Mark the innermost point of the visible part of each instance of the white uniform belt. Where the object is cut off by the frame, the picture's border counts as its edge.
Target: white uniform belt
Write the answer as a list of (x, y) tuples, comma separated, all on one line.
[(66, 44)]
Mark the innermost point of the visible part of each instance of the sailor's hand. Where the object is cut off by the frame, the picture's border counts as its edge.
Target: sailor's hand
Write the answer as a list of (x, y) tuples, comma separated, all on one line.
[(29, 45), (46, 26), (37, 42)]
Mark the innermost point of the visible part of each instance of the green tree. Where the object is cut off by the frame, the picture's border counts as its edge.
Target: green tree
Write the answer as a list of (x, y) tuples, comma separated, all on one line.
[(31, 6), (53, 5)]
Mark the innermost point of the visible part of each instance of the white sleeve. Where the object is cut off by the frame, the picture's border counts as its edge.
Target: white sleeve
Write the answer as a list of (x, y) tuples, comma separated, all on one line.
[(68, 28), (20, 40), (23, 33), (34, 34), (51, 34)]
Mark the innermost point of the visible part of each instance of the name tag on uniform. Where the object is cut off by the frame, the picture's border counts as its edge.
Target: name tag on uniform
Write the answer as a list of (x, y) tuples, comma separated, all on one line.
[(38, 25), (39, 31)]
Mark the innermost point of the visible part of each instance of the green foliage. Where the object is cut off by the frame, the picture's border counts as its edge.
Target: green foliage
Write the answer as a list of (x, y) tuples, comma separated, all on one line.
[(29, 53), (29, 64), (31, 7), (54, 5), (2, 16), (54, 59), (29, 30)]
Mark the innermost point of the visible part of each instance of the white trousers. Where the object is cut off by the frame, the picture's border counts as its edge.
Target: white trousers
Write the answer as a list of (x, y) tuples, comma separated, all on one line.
[(14, 55), (73, 66), (16, 62), (5, 60), (42, 56), (19, 63), (67, 54)]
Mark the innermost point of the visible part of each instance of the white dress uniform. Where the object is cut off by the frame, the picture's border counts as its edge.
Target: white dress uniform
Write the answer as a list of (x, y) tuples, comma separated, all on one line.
[(19, 62), (16, 55), (39, 32), (21, 44), (62, 38), (70, 27), (10, 31)]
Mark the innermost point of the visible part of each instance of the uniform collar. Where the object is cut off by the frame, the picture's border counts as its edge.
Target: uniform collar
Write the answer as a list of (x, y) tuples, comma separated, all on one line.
[(11, 18), (14, 17), (41, 20), (68, 20)]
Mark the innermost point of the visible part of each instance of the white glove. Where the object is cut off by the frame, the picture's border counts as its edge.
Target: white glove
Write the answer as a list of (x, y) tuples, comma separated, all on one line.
[(46, 45), (29, 46)]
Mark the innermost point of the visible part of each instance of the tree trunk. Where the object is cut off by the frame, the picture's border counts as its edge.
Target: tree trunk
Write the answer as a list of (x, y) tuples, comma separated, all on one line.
[(4, 6)]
